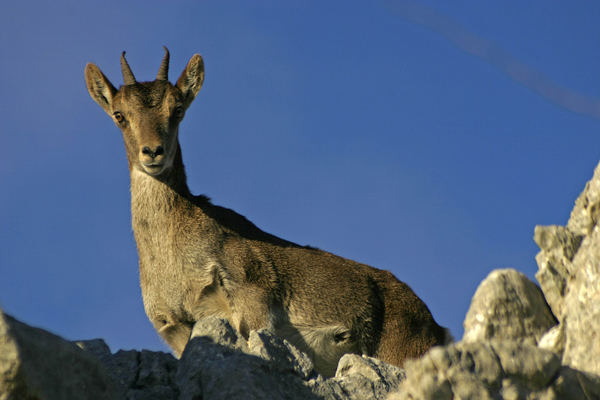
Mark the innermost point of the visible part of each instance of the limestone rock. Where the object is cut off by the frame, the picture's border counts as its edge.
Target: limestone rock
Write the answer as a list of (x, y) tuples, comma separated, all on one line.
[(97, 347), (558, 247), (371, 368), (507, 306), (217, 364), (141, 375), (213, 368), (123, 366), (554, 340), (35, 364), (586, 213), (219, 331), (284, 357), (357, 377), (582, 302), (569, 274), (494, 370), (360, 377)]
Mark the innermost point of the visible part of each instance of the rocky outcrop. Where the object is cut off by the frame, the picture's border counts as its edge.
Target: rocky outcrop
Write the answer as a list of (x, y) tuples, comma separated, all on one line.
[(140, 375), (219, 364), (520, 342), (569, 274), (508, 306), (505, 352), (216, 364), (494, 370), (32, 361)]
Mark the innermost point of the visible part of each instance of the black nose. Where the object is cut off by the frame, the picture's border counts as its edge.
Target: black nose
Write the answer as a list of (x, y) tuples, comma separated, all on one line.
[(149, 152)]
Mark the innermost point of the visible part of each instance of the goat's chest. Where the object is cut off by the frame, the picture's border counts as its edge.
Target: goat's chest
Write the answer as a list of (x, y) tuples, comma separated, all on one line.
[(171, 267), (161, 268)]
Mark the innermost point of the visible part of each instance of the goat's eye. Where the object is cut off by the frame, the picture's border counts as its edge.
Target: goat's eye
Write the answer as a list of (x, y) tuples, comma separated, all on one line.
[(178, 112), (119, 117)]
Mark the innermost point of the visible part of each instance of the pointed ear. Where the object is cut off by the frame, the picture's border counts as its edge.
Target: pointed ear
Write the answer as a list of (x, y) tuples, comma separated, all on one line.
[(99, 87), (191, 79)]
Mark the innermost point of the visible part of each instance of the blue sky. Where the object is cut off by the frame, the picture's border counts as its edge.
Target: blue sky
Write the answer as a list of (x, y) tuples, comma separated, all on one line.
[(423, 138)]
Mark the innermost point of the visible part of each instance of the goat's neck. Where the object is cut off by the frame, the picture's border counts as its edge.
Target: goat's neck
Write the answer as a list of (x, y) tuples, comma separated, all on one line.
[(157, 200)]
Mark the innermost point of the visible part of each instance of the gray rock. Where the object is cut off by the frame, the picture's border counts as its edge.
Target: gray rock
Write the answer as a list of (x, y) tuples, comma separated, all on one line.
[(586, 212), (97, 347), (554, 340), (569, 273), (582, 302), (360, 377), (35, 364), (371, 368), (282, 355), (493, 370), (558, 247), (464, 370), (123, 366), (155, 377), (507, 306), (573, 384), (214, 368), (141, 375), (531, 364)]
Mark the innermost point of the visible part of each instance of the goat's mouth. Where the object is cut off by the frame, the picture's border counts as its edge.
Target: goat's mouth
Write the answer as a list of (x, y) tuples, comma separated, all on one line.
[(154, 168)]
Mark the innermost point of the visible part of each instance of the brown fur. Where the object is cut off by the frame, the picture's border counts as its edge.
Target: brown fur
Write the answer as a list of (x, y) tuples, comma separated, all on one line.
[(198, 259)]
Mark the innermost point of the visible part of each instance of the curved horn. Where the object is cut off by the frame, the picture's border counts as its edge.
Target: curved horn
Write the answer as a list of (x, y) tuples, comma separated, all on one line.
[(163, 71), (128, 77)]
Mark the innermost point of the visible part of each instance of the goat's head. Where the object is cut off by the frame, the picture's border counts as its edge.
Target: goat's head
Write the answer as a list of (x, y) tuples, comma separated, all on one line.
[(148, 113)]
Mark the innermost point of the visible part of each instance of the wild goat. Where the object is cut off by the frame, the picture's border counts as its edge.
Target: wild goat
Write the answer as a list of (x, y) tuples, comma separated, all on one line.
[(198, 259)]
